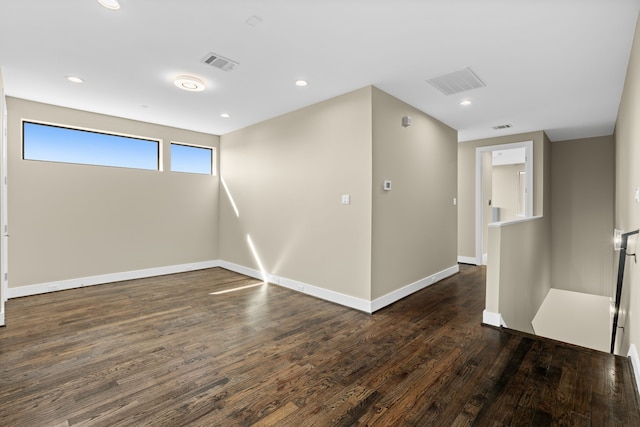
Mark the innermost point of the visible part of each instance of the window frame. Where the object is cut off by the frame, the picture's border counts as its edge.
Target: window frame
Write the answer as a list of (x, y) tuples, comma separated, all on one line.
[(212, 150), (157, 141)]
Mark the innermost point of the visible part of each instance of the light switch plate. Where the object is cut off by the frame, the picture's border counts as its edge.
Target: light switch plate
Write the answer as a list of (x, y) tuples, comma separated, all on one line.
[(346, 199)]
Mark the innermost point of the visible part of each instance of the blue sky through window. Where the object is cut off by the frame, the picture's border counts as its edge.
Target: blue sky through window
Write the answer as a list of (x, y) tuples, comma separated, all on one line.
[(186, 158), (59, 144)]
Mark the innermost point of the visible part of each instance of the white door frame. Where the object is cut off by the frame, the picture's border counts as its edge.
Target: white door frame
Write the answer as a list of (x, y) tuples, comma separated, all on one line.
[(528, 146), (4, 232)]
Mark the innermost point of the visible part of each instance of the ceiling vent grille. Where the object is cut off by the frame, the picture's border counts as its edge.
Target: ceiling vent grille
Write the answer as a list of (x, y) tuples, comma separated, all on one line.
[(220, 62), (456, 82), (499, 127)]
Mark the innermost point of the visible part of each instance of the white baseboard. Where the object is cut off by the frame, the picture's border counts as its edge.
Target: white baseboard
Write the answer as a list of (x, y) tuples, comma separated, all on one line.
[(2, 318), (398, 294), (493, 319), (339, 298), (42, 288), (315, 291), (251, 272), (467, 260), (635, 362), (325, 294)]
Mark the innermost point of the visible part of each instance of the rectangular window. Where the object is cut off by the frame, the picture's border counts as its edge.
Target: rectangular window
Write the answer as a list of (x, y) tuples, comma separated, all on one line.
[(66, 145), (191, 159)]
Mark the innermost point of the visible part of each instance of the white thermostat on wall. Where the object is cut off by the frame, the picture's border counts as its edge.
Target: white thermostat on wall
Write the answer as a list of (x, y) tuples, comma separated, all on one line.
[(386, 185)]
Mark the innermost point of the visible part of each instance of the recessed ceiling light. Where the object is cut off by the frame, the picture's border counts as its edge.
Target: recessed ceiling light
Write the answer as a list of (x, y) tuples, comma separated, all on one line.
[(301, 83), (110, 4), (189, 83), (74, 79), (225, 115), (465, 102)]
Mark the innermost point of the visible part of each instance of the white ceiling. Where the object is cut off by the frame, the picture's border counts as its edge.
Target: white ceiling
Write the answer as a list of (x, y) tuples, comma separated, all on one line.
[(553, 65)]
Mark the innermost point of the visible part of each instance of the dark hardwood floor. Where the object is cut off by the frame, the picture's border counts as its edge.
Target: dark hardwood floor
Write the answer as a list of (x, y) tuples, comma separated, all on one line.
[(163, 352)]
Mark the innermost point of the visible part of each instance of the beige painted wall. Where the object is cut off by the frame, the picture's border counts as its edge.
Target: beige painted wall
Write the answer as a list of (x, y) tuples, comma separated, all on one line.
[(505, 190), (71, 221), (286, 176), (487, 197), (519, 261), (519, 276), (414, 224), (466, 184), (627, 179), (582, 215)]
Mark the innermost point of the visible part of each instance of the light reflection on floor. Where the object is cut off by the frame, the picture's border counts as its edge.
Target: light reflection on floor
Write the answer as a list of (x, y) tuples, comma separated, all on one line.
[(239, 288)]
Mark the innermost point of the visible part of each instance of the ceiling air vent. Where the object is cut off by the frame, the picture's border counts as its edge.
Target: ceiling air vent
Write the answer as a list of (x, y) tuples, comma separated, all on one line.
[(500, 127), (218, 61), (456, 82)]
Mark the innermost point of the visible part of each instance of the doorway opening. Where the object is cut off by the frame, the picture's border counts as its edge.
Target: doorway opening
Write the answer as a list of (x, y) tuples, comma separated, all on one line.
[(513, 167)]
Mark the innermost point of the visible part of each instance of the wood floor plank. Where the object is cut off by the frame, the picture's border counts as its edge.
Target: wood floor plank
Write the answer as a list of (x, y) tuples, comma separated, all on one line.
[(164, 351)]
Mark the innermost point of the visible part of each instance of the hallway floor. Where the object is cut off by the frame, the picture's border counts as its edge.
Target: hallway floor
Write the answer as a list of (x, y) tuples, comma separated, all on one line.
[(162, 351)]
